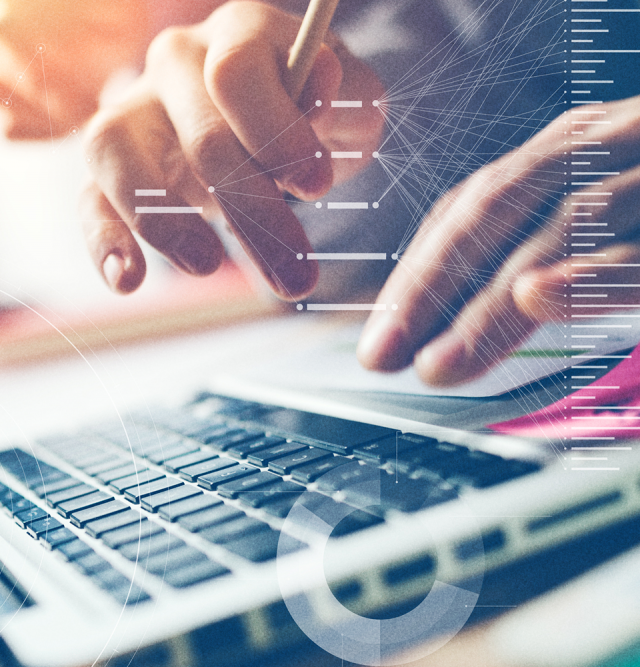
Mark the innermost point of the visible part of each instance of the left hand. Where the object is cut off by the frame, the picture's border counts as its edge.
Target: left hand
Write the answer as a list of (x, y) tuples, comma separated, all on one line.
[(477, 280)]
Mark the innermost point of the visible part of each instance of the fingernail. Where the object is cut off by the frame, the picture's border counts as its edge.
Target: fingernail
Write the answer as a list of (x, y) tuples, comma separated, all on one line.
[(383, 345), (448, 361), (113, 267)]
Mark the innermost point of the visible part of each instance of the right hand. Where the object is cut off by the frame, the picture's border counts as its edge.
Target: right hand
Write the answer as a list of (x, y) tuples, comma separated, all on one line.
[(211, 110)]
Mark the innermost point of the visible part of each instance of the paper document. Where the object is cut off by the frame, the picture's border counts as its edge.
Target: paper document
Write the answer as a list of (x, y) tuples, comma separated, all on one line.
[(329, 361)]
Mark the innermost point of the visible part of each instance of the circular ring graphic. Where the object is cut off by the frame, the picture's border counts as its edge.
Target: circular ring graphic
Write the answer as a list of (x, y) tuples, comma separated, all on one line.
[(341, 632)]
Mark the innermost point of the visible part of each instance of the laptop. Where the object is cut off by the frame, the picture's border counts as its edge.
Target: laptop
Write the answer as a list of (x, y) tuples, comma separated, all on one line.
[(250, 522)]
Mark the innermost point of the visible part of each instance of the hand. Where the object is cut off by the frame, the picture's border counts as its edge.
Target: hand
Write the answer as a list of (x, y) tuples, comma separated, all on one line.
[(483, 272), (210, 122), (72, 47)]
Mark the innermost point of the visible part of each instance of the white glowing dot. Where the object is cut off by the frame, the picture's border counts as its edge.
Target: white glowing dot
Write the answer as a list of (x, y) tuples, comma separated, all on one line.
[(318, 103), (376, 155), (394, 306), (375, 204), (40, 48), (300, 255), (299, 306), (318, 204), (211, 188), (318, 154), (89, 160), (376, 103), (394, 256)]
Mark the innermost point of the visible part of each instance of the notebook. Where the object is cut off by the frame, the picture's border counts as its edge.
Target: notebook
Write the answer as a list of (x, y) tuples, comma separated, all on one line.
[(253, 521)]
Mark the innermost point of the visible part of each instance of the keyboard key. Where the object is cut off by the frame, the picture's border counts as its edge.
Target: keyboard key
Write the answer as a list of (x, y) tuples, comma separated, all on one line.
[(355, 522), (174, 511), (313, 471), (82, 517), (132, 533), (99, 527), (159, 543), (243, 449), (222, 442), (73, 549), (111, 463), (272, 493), (156, 444), (109, 579), (209, 517), (214, 479), (194, 574), (52, 539), (232, 489), (179, 449), (91, 563), (262, 546), (407, 495), (120, 472), (69, 494), (161, 563), (61, 484), (262, 458), (211, 432), (129, 595), (350, 476), (287, 464), (39, 529), (124, 483), (24, 518), (233, 530), (199, 456), (191, 473), (335, 435), (154, 502), (377, 452), (18, 504), (136, 493), (90, 500)]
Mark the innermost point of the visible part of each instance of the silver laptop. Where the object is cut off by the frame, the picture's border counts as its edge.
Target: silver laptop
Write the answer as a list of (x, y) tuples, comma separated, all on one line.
[(249, 523)]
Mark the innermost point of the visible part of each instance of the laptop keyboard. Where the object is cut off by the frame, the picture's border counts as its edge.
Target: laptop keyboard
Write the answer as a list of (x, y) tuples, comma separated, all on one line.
[(228, 472)]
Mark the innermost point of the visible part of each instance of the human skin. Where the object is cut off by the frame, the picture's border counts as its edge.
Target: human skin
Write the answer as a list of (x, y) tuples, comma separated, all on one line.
[(490, 210), (211, 110)]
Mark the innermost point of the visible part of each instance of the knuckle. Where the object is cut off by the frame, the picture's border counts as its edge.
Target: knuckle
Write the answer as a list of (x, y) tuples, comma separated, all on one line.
[(225, 70), (172, 43), (104, 133), (204, 151)]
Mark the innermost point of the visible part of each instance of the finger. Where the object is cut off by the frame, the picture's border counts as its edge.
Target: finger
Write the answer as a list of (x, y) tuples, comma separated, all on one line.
[(111, 245), (534, 287), (250, 201), (568, 288), (467, 241), (481, 336), (459, 247), (137, 150), (267, 122)]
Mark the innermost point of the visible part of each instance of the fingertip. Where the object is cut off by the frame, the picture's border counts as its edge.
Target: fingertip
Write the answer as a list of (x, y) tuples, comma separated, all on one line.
[(312, 180), (448, 361), (383, 346), (122, 273), (292, 282)]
